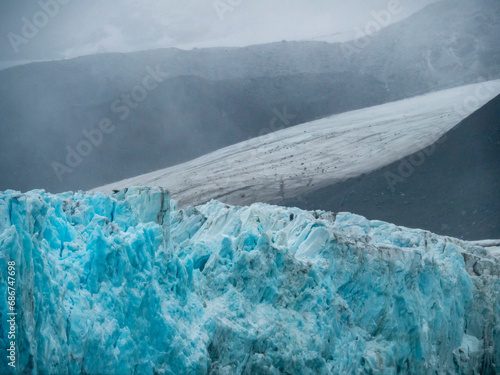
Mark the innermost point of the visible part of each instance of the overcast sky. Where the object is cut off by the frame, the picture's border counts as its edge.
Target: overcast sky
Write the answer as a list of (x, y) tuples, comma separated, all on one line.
[(94, 26)]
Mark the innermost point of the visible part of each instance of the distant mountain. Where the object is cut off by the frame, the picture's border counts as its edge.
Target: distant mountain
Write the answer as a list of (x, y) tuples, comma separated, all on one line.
[(212, 98), (445, 44), (451, 187)]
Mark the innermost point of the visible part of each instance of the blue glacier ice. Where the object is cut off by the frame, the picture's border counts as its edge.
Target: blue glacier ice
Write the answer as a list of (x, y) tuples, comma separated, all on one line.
[(128, 283)]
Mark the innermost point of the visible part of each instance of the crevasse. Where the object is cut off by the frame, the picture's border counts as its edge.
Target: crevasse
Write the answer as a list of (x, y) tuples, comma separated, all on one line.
[(130, 284)]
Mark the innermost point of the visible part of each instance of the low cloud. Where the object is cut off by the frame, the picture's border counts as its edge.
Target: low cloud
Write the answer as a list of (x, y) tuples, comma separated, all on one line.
[(90, 27)]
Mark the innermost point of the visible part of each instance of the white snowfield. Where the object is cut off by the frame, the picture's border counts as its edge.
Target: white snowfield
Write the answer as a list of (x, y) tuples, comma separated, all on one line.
[(288, 162)]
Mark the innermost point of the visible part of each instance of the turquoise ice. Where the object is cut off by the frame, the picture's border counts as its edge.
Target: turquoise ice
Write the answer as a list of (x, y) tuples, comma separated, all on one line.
[(129, 284)]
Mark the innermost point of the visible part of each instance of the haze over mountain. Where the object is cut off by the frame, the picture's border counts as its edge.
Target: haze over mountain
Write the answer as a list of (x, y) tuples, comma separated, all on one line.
[(206, 99)]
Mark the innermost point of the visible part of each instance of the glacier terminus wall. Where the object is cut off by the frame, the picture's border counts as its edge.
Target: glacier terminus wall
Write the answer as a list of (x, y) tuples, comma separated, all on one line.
[(128, 283)]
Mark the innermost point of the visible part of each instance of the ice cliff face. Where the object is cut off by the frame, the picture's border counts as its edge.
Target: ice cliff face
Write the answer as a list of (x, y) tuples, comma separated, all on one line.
[(128, 283)]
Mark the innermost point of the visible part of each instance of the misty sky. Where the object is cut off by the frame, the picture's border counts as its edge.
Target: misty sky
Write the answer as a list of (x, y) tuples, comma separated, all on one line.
[(96, 26)]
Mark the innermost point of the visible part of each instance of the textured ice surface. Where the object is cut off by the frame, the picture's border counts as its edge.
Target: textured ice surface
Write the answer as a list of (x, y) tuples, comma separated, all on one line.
[(128, 283)]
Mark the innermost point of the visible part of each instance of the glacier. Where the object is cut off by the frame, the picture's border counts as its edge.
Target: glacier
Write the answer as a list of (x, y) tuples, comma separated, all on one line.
[(129, 283), (290, 162)]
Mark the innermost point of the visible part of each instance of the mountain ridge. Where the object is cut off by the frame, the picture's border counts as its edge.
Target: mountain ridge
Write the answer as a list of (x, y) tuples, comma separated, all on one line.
[(44, 107)]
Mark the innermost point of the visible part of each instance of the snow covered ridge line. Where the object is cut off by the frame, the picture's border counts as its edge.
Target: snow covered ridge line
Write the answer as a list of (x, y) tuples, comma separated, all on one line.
[(128, 283), (306, 157)]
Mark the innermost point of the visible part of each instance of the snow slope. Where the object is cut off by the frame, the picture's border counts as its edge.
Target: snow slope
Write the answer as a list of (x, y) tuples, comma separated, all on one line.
[(289, 162), (128, 283)]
